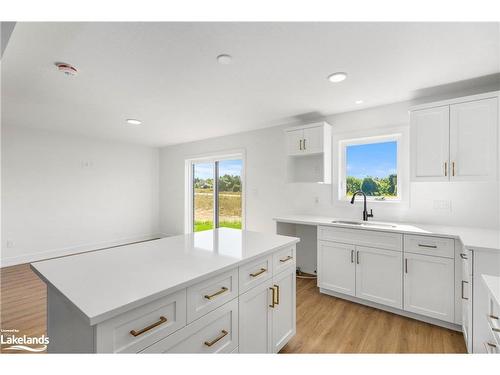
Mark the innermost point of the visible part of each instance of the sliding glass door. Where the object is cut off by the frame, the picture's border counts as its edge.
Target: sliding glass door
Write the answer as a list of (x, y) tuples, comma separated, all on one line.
[(217, 194)]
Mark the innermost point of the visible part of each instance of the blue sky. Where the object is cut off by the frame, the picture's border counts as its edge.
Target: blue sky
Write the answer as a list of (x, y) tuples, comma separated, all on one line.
[(373, 159), (206, 170)]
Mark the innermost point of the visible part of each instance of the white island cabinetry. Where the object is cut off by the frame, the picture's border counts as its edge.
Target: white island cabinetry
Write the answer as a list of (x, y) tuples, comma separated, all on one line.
[(220, 291)]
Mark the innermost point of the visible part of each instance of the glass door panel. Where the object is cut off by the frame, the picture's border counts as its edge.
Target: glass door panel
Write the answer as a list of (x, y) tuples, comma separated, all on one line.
[(229, 192), (203, 196)]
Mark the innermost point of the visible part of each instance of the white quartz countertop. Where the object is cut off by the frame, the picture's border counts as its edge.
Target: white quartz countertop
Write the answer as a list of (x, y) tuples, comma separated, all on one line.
[(105, 283), (493, 285), (472, 238)]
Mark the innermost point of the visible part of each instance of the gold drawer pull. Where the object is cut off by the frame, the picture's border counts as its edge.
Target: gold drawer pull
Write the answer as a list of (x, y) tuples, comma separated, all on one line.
[(223, 290), (220, 337), (492, 345), (255, 274), (493, 317), (286, 259), (277, 294), (145, 329), (495, 329)]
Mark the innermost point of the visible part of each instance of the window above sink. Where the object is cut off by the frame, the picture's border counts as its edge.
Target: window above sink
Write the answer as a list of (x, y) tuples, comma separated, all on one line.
[(372, 165)]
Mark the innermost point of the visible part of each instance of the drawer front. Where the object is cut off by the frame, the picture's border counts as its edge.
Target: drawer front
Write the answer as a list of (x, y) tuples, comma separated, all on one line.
[(493, 319), (362, 237), (253, 273), (283, 259), (491, 346), (426, 245), (135, 330), (209, 294), (216, 332)]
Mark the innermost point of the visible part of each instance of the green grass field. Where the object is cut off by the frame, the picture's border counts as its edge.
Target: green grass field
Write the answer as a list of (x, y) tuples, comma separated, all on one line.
[(229, 209), (206, 225)]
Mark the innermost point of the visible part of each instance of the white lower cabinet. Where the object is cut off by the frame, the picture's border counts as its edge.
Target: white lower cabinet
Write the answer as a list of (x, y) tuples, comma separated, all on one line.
[(378, 276), (283, 314), (336, 267), (256, 319), (412, 273), (267, 314), (429, 286)]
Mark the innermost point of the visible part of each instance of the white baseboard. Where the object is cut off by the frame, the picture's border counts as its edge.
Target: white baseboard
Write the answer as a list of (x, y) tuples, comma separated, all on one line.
[(437, 322), (44, 255)]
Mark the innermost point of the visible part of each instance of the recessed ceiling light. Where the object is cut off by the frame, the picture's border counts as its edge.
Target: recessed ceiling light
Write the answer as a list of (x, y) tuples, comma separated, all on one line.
[(133, 121), (358, 102), (224, 59), (337, 77)]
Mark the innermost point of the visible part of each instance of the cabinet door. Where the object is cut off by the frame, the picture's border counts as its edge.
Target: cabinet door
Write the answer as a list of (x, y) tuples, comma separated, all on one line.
[(294, 141), (429, 131), (473, 140), (283, 311), (336, 267), (429, 286), (255, 321), (313, 140), (379, 276)]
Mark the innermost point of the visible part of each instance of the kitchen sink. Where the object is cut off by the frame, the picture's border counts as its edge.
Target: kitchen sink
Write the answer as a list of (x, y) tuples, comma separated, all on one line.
[(364, 224)]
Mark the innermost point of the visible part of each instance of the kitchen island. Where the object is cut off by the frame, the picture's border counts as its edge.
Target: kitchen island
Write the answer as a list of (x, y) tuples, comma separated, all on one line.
[(221, 290)]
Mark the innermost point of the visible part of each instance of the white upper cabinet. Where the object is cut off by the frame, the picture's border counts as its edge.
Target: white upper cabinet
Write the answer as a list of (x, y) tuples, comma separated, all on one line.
[(294, 139), (430, 143), (314, 139), (456, 140), (309, 153), (473, 134)]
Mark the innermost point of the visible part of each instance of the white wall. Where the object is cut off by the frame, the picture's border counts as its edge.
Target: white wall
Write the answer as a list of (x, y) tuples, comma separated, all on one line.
[(63, 194), (472, 203)]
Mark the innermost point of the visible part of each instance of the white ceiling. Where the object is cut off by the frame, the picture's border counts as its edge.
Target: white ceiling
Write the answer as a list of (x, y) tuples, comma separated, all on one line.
[(166, 74)]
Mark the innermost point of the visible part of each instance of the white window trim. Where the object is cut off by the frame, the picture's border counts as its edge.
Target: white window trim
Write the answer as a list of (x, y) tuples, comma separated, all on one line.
[(399, 134), (188, 187)]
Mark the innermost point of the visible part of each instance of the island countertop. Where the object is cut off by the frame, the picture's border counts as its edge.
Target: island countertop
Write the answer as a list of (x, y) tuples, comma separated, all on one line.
[(471, 238), (105, 283)]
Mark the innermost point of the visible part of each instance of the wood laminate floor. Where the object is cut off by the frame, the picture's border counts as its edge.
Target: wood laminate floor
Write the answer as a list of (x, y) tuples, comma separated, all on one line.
[(325, 324)]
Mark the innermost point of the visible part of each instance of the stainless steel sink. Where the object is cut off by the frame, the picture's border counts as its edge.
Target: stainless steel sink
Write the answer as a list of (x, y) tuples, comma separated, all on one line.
[(364, 224), (347, 222)]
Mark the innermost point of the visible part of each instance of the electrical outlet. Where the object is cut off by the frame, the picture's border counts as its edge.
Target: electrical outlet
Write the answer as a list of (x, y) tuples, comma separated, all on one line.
[(442, 205)]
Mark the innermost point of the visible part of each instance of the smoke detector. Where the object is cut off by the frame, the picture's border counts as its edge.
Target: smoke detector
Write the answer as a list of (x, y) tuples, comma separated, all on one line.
[(67, 69)]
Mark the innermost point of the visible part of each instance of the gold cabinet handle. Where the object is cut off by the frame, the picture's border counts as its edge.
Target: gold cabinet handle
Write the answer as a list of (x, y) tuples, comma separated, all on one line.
[(286, 259), (453, 168), (300, 144), (145, 329), (255, 274), (493, 317), (273, 296), (445, 169), (492, 345), (223, 290), (304, 143), (220, 337), (277, 294)]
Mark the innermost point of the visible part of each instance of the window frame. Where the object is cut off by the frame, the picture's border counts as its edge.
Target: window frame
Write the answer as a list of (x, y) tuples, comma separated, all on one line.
[(189, 191), (380, 138)]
